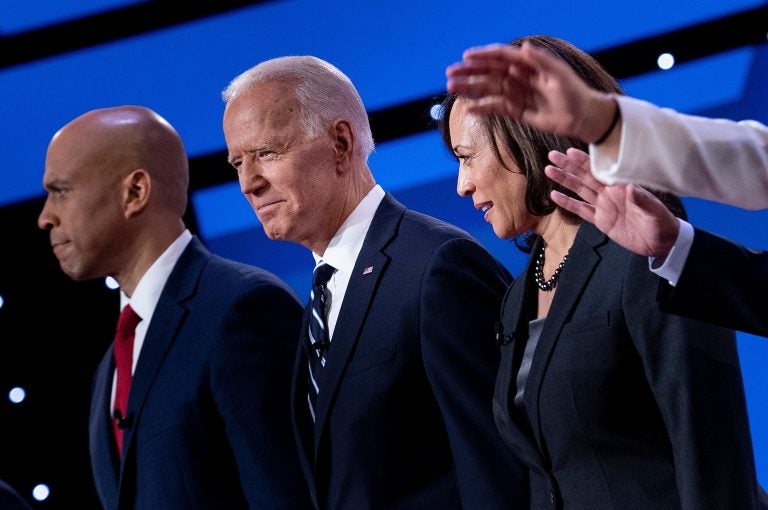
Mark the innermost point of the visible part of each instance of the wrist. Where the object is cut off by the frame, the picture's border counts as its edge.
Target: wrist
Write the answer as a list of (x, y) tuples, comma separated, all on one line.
[(667, 238), (610, 126)]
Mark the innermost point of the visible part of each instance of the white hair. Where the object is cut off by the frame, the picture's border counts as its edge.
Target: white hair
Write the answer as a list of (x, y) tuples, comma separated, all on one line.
[(324, 93)]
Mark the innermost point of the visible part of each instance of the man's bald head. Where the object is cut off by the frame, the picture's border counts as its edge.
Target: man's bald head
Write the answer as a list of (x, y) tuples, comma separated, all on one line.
[(115, 141), (116, 181)]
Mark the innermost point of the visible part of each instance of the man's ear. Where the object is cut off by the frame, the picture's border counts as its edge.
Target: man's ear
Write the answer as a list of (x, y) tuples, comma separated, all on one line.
[(343, 143), (136, 188)]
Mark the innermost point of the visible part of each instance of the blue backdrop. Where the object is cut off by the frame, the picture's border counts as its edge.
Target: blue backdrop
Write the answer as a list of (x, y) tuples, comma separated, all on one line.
[(394, 52)]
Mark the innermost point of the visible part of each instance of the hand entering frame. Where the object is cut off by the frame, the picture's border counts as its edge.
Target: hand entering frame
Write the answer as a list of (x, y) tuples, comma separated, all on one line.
[(628, 214)]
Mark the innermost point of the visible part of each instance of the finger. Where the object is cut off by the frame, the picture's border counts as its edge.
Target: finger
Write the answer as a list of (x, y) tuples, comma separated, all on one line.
[(477, 67), (473, 86), (492, 104), (455, 69), (506, 58), (576, 162), (558, 158), (660, 233), (648, 203), (541, 60), (493, 50), (519, 75), (578, 155), (581, 209), (574, 182)]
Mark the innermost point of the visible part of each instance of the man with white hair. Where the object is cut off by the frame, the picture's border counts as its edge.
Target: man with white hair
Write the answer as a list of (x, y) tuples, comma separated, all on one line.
[(392, 390)]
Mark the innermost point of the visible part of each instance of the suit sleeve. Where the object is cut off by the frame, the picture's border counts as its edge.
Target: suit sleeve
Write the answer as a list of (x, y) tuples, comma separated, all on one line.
[(460, 302), (251, 380), (722, 283), (694, 373), (714, 159)]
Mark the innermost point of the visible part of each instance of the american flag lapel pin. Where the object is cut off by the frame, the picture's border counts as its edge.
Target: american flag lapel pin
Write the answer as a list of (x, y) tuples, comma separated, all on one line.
[(368, 270)]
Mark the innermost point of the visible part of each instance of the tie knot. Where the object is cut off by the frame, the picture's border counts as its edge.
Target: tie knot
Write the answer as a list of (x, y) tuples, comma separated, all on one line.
[(322, 274), (128, 320)]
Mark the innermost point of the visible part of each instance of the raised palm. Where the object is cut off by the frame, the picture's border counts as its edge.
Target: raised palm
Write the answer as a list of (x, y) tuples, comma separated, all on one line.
[(628, 214)]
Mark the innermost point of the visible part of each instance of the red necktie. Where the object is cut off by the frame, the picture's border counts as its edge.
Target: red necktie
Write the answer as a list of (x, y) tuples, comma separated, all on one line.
[(123, 350)]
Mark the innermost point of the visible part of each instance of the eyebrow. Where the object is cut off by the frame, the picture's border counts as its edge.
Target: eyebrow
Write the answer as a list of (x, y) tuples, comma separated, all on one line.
[(231, 158), (53, 184)]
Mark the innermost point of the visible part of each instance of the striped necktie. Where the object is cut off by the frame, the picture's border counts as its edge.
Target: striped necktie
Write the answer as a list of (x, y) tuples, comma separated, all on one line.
[(318, 333)]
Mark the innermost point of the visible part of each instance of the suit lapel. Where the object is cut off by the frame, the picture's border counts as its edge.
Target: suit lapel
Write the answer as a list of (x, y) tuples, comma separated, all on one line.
[(162, 330), (512, 426), (102, 442), (302, 424), (582, 260), (357, 301)]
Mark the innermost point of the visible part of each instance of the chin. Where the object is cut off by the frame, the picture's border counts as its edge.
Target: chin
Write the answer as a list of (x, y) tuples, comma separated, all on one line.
[(502, 233), (276, 234), (77, 276)]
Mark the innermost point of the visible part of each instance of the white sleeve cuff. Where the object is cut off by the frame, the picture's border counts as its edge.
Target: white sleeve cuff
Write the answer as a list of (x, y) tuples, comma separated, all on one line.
[(672, 266), (604, 167)]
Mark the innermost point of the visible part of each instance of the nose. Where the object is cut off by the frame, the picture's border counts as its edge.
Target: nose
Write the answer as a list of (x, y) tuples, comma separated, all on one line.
[(46, 219), (464, 185), (252, 181)]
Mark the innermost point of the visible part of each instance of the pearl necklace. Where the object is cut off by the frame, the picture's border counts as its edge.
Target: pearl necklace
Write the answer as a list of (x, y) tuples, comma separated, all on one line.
[(538, 273)]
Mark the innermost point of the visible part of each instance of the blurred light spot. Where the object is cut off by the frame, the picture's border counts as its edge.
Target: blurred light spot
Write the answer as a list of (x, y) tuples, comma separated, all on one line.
[(17, 395), (41, 492), (2, 301), (111, 283), (665, 61), (436, 112)]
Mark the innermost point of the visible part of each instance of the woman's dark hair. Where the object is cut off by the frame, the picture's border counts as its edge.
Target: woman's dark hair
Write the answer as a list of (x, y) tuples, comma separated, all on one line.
[(528, 147)]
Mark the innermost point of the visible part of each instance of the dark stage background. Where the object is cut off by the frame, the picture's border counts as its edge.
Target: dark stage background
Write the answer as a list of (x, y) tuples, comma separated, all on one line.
[(61, 58)]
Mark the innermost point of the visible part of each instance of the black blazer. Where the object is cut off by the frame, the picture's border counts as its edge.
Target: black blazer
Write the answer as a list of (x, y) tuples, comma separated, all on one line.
[(209, 401), (404, 416), (722, 283), (626, 407)]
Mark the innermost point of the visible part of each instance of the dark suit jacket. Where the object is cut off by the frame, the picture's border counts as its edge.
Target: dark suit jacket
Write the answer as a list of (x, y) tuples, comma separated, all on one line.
[(722, 283), (628, 407), (404, 415), (209, 401)]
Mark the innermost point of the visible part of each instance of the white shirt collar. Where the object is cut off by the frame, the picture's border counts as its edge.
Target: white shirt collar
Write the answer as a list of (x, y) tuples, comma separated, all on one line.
[(346, 244), (150, 286), (343, 250)]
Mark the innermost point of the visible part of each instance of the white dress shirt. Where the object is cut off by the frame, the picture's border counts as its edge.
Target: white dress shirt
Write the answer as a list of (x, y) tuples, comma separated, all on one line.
[(343, 250), (147, 294)]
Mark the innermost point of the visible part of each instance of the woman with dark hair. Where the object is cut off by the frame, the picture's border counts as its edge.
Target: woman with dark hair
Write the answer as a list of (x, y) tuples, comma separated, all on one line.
[(611, 403)]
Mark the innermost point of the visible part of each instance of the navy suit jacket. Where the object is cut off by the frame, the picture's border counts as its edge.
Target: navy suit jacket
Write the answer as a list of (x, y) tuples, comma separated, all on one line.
[(404, 415), (209, 403), (626, 407), (722, 283)]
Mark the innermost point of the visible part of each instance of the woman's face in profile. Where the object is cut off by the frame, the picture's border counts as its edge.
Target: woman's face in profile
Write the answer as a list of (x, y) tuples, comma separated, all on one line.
[(498, 193)]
